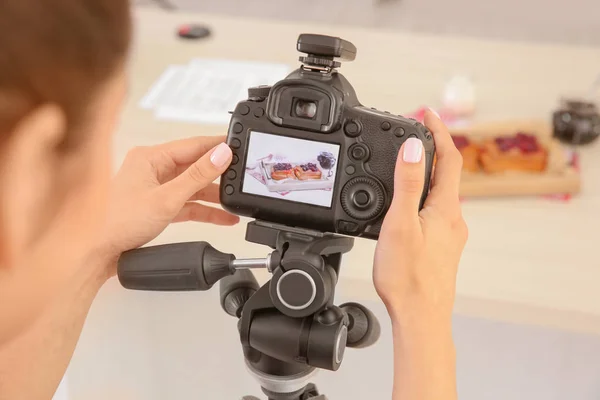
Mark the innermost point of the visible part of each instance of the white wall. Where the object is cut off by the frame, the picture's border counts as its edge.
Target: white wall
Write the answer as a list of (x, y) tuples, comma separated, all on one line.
[(157, 346), (566, 21)]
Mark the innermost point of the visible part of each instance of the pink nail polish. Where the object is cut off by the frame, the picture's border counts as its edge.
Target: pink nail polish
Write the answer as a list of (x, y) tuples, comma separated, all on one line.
[(221, 155), (413, 151), (435, 112)]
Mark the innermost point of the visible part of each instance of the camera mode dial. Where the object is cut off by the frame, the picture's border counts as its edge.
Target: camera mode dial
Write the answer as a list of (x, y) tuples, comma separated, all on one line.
[(259, 92), (363, 198)]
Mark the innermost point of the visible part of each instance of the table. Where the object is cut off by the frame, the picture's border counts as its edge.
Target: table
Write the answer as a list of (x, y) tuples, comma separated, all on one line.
[(528, 260)]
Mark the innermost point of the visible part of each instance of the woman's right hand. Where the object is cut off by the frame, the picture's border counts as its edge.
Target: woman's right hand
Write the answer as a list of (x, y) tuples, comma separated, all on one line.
[(159, 185), (417, 255)]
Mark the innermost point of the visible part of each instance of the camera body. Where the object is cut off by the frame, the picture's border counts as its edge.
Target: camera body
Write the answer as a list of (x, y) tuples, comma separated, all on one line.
[(307, 154)]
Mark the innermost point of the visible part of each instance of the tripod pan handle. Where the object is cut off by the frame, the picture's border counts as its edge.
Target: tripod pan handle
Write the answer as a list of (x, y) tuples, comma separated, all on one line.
[(174, 267)]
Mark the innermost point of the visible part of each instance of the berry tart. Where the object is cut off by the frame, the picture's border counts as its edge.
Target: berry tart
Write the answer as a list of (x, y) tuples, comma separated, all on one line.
[(307, 171), (281, 171), (469, 152), (521, 152)]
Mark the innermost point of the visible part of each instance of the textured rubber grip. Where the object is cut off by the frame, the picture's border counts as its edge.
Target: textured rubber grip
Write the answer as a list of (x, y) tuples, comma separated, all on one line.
[(364, 329), (236, 290), (174, 267)]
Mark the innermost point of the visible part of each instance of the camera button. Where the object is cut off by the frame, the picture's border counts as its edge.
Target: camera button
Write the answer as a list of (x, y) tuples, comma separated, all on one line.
[(421, 129), (350, 170), (352, 128), (238, 128), (231, 174), (259, 112), (399, 131), (244, 109), (361, 199), (386, 126), (229, 189), (235, 159), (359, 152), (235, 143), (346, 226)]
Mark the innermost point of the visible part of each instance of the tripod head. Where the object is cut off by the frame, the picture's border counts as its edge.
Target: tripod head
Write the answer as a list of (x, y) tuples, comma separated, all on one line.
[(289, 327)]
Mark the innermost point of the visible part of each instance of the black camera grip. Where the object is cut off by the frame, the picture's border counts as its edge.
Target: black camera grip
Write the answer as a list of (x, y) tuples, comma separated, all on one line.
[(174, 267)]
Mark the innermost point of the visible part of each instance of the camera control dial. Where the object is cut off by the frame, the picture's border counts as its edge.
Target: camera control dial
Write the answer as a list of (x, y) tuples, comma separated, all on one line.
[(363, 198), (258, 93)]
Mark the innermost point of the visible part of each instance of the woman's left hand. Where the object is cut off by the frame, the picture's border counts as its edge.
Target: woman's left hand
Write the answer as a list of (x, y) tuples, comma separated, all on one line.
[(160, 185)]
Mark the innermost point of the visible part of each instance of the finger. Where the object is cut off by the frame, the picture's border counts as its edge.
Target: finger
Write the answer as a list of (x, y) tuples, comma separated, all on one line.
[(445, 189), (432, 180), (187, 151), (209, 194), (200, 213), (197, 177), (409, 181), (171, 159)]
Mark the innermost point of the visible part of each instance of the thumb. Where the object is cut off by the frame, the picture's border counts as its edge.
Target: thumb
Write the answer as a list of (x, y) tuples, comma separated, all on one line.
[(409, 180), (199, 175)]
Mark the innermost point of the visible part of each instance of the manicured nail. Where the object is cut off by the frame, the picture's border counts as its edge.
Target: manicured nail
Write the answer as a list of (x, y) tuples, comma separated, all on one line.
[(221, 155), (435, 112), (413, 150)]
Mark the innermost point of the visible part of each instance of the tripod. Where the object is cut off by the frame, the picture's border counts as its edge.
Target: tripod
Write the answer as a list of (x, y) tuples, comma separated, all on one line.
[(289, 327)]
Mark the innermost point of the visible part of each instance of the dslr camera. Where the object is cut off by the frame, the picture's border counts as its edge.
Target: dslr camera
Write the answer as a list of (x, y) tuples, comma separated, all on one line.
[(308, 154)]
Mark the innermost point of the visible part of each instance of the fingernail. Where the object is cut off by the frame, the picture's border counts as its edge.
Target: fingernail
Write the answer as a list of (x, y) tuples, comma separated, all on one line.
[(413, 151), (221, 155), (435, 112)]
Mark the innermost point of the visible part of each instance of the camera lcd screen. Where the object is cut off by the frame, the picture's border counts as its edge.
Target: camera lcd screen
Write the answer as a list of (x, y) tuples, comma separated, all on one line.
[(291, 169)]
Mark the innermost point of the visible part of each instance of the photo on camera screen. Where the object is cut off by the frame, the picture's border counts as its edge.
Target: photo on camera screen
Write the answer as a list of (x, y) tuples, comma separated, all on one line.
[(291, 169)]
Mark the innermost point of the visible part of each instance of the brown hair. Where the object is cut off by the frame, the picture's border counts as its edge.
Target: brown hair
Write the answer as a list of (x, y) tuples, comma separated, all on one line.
[(58, 51)]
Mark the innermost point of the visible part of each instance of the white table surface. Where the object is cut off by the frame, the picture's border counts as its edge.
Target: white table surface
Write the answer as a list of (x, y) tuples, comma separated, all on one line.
[(528, 260)]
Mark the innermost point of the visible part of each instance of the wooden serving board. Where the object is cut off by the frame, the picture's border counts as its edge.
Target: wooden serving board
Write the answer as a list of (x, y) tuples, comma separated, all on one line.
[(290, 185), (559, 178)]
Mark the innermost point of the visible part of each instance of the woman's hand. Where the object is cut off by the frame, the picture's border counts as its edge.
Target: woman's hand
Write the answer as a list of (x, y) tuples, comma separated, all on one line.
[(417, 254), (416, 262), (160, 185)]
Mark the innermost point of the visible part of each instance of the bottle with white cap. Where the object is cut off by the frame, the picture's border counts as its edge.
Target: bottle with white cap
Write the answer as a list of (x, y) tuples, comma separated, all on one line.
[(459, 96)]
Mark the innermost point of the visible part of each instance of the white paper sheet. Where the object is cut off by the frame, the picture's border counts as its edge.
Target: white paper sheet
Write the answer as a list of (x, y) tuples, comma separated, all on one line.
[(165, 88), (205, 90)]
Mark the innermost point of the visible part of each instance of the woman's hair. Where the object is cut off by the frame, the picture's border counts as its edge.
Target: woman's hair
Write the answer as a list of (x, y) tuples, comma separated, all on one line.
[(60, 52)]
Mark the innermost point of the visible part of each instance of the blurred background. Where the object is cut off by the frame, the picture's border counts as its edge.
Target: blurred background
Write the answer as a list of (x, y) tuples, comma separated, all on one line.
[(517, 83), (574, 22)]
